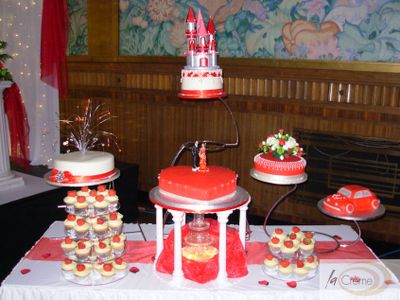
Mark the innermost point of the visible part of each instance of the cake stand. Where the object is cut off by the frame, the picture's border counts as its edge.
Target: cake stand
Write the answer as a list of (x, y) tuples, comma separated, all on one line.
[(355, 217), (178, 208), (286, 180), (83, 183)]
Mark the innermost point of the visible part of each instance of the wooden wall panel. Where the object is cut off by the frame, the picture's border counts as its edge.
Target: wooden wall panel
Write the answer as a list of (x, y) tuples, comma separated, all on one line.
[(152, 122)]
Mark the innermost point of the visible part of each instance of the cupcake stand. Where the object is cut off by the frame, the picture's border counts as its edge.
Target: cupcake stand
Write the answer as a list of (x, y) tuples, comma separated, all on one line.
[(94, 278), (178, 208)]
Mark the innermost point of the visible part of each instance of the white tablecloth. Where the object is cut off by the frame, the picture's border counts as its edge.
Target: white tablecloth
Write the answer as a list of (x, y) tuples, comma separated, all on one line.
[(45, 280)]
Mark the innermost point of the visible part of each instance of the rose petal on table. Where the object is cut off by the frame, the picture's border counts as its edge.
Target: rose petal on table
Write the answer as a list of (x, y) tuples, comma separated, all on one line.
[(389, 281), (134, 269), (25, 271), (46, 255), (337, 237), (263, 282), (291, 284)]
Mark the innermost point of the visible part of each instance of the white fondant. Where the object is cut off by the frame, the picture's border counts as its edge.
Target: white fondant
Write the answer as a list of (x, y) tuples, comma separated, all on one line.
[(87, 163), (201, 83)]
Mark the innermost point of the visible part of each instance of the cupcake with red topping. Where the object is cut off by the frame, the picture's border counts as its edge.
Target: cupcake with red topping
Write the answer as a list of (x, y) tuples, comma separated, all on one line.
[(68, 267), (107, 270), (100, 205), (271, 264), (298, 232), (119, 265), (309, 235), (275, 245), (82, 250), (69, 225), (81, 228), (300, 271), (285, 269), (81, 206), (69, 201), (82, 270), (288, 250), (311, 263), (100, 228), (102, 250), (279, 233), (84, 191), (102, 190), (117, 245), (307, 247), (68, 246), (295, 239), (112, 199), (115, 223)]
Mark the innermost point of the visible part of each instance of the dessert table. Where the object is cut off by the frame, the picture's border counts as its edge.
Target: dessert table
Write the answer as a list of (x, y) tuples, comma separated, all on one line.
[(38, 274)]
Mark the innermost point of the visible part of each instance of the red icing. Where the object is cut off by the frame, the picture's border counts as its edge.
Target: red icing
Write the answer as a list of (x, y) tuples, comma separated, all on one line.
[(107, 267), (278, 231), (84, 189), (99, 198), (112, 192), (71, 217), (100, 221), (290, 166), (116, 239), (71, 193), (184, 182), (81, 199), (93, 193), (101, 188), (113, 216), (80, 267)]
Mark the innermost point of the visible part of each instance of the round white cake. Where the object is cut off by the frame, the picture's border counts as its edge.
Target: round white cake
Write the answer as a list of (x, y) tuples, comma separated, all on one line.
[(195, 80), (83, 166)]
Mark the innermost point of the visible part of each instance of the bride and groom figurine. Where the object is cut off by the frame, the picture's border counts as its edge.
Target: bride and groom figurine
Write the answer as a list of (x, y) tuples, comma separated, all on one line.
[(199, 163)]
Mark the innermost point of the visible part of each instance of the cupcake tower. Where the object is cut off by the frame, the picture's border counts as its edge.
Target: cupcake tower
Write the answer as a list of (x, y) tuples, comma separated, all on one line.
[(94, 241), (291, 255)]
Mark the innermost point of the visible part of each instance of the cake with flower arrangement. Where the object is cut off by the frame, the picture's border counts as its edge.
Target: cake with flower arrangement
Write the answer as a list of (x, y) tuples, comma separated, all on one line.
[(280, 160)]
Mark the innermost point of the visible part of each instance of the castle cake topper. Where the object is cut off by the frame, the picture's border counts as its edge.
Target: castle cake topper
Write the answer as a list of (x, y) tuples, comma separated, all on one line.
[(201, 78)]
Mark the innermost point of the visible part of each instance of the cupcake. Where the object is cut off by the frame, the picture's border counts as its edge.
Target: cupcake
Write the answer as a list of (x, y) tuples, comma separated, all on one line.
[(309, 235), (112, 199), (81, 228), (298, 232), (275, 245), (69, 201), (102, 190), (100, 205), (84, 191), (119, 265), (82, 270), (68, 266), (81, 206), (307, 247), (69, 225), (311, 263), (107, 270), (300, 271), (115, 223), (295, 239), (91, 199), (117, 245), (271, 264), (82, 250), (288, 250), (100, 228), (103, 250), (279, 233), (285, 269), (68, 245)]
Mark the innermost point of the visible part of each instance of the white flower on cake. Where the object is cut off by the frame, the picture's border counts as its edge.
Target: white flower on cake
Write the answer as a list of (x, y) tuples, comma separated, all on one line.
[(280, 145)]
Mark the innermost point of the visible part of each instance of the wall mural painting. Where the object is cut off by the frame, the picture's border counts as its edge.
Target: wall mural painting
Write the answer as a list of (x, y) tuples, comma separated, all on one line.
[(345, 30), (78, 33)]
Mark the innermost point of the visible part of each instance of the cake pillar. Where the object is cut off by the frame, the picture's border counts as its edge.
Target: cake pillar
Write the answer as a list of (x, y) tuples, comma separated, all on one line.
[(160, 230), (242, 224), (177, 217), (222, 220), (8, 179)]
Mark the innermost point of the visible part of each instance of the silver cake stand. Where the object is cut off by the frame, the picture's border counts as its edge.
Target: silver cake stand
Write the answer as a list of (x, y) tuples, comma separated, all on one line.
[(287, 180), (355, 217)]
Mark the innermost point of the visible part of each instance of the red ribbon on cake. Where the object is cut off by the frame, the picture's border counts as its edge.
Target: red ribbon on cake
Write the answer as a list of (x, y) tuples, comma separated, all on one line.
[(67, 177)]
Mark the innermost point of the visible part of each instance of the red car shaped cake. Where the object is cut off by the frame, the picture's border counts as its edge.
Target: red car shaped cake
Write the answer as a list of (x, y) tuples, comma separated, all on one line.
[(351, 199)]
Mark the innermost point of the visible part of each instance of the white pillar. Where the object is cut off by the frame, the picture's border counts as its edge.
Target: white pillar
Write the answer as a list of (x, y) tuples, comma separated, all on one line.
[(177, 217), (242, 224), (8, 179), (222, 220), (160, 230)]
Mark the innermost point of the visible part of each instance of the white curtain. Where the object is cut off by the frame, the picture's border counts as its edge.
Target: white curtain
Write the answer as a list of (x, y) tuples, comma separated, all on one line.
[(20, 27)]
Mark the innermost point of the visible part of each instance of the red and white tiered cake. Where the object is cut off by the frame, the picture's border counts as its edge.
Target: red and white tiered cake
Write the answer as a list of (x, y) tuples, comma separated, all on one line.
[(181, 182), (280, 160), (202, 77)]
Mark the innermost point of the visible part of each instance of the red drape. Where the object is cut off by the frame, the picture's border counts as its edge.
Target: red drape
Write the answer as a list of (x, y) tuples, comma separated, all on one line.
[(18, 122), (55, 26)]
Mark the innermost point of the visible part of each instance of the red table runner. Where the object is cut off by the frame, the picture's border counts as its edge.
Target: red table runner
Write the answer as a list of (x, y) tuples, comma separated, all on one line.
[(143, 252)]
